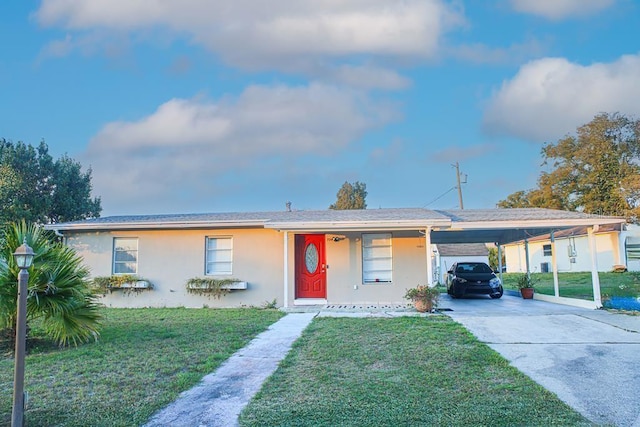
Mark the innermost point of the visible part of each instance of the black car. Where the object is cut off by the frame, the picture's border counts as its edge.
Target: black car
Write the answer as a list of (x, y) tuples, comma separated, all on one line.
[(473, 278)]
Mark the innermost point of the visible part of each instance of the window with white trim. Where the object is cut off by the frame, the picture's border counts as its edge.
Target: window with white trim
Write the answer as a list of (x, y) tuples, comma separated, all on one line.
[(125, 255), (632, 248), (546, 250), (377, 260), (219, 255)]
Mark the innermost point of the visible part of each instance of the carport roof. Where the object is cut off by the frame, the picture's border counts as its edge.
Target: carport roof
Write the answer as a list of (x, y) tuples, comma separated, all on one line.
[(448, 226)]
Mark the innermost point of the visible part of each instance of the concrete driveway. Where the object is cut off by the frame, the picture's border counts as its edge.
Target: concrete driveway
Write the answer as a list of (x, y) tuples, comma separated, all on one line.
[(589, 358)]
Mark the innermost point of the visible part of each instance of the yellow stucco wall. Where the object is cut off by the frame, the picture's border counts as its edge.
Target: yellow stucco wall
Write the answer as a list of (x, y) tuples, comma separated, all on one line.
[(168, 258), (607, 250), (344, 275)]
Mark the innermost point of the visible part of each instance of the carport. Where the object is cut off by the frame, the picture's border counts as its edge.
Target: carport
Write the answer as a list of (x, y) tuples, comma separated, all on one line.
[(502, 226), (497, 226)]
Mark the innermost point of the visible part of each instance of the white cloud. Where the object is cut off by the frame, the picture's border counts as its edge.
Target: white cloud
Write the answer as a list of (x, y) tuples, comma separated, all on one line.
[(551, 97), (187, 147), (561, 9), (277, 34), (515, 53), (58, 48), (366, 77)]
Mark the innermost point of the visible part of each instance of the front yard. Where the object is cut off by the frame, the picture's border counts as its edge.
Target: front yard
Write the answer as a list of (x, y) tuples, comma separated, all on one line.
[(143, 360), (342, 371), (407, 371)]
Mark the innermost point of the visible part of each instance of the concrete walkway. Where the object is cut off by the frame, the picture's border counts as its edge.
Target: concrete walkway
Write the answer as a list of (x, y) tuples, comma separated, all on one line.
[(589, 358), (221, 396)]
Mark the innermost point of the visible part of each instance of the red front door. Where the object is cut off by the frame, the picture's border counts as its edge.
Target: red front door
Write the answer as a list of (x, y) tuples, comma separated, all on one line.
[(311, 274)]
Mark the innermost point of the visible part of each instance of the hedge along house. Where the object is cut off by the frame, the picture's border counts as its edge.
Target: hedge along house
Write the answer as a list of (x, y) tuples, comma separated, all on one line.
[(296, 258)]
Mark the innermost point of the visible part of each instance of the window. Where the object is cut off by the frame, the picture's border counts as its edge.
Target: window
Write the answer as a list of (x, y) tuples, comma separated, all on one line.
[(376, 258), (546, 250), (219, 255), (632, 248), (125, 255)]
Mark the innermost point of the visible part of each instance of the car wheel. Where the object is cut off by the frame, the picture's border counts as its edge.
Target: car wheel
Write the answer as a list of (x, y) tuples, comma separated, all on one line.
[(456, 292), (498, 295)]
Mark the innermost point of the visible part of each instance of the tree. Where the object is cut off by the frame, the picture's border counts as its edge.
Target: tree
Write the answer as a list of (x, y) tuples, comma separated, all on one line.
[(59, 291), (351, 196), (35, 188), (596, 171)]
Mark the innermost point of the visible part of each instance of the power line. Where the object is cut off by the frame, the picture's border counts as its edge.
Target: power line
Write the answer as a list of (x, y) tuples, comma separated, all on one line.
[(440, 196)]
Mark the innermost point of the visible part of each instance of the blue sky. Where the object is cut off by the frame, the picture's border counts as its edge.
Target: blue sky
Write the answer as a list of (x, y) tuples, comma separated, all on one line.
[(211, 106)]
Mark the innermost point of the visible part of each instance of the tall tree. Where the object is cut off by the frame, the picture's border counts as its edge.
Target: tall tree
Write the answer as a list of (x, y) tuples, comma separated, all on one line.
[(351, 196), (35, 188), (596, 171)]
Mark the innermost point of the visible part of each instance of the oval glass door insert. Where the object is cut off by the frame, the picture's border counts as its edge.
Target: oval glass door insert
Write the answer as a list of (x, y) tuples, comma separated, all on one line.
[(311, 258)]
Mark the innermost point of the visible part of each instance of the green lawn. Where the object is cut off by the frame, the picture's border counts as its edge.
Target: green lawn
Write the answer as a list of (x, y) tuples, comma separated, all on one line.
[(410, 371), (578, 285), (143, 360)]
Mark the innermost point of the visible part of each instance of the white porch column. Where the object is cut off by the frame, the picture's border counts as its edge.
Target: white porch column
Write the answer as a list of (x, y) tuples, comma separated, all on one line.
[(500, 261), (526, 256), (554, 265), (595, 279), (429, 250), (286, 269)]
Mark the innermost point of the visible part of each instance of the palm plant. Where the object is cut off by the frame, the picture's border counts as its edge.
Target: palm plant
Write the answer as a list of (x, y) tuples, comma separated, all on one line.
[(59, 290)]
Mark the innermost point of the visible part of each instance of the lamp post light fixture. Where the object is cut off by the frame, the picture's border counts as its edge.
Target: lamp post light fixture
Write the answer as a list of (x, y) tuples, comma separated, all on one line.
[(23, 257)]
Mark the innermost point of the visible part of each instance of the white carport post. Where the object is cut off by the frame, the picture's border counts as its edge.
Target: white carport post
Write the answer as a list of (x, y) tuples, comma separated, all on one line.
[(526, 256), (500, 261), (286, 269), (595, 279), (554, 265), (427, 244)]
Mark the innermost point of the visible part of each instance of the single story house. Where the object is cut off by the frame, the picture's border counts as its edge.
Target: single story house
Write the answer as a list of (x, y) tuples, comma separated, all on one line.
[(293, 257), (448, 254), (617, 245)]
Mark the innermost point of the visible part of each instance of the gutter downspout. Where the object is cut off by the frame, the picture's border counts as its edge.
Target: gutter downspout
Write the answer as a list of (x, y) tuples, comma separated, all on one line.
[(59, 234)]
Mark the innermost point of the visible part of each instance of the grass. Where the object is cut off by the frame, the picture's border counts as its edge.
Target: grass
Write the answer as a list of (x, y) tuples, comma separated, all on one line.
[(578, 285), (400, 372), (143, 360)]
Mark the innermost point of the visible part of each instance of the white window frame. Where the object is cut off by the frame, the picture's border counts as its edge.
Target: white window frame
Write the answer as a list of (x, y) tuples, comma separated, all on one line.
[(377, 258), (632, 248), (129, 250), (547, 250), (219, 252)]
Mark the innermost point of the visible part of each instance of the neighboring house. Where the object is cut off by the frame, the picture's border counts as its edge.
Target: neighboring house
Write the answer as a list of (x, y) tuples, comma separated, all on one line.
[(295, 258), (616, 244), (447, 254)]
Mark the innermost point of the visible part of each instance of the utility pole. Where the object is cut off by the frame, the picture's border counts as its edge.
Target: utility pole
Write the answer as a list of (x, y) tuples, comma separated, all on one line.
[(457, 166)]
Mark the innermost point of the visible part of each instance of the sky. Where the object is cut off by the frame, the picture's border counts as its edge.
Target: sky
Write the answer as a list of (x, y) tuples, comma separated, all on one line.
[(228, 106)]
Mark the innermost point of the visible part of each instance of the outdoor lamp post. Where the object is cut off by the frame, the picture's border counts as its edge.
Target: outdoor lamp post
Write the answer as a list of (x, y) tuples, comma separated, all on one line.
[(23, 257)]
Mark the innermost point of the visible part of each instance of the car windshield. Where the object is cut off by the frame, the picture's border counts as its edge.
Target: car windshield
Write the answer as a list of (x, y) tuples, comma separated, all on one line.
[(473, 268)]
